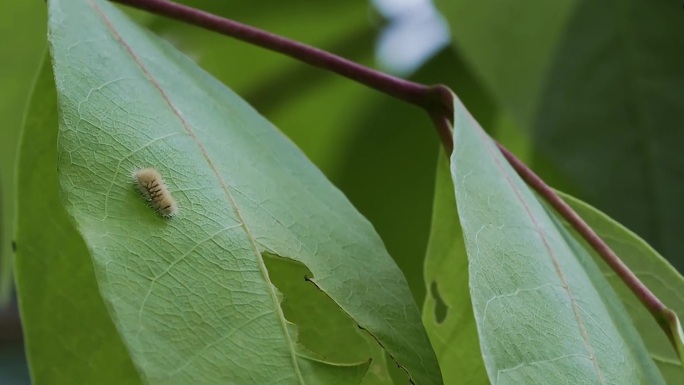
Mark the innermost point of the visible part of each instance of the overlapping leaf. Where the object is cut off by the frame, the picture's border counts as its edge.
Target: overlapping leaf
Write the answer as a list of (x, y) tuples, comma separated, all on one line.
[(17, 72), (191, 296), (447, 311), (544, 312), (68, 334)]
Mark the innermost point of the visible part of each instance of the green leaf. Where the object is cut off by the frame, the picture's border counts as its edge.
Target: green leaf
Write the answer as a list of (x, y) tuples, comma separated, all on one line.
[(509, 44), (447, 312), (610, 120), (190, 296), (652, 269), (544, 312), (69, 336), (22, 40)]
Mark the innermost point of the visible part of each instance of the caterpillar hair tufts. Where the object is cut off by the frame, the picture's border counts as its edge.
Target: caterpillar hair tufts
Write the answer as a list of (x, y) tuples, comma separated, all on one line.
[(151, 185)]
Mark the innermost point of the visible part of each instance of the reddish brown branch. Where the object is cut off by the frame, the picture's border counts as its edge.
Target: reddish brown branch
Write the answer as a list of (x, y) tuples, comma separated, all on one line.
[(430, 98), (443, 126)]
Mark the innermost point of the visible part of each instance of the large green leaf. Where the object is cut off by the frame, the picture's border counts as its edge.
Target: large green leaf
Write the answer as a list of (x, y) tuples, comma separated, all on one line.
[(128, 100), (447, 311), (22, 38), (509, 44), (55, 277), (611, 117), (544, 312), (69, 336), (652, 269)]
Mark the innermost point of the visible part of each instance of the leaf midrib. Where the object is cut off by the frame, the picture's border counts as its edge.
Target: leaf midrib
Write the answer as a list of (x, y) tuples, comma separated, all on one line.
[(224, 185), (557, 267)]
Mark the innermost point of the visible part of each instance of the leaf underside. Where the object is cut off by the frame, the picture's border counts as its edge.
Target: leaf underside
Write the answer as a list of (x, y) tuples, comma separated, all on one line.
[(191, 296), (544, 312)]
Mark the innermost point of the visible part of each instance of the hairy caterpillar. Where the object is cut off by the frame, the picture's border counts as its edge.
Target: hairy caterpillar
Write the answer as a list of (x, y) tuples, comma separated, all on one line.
[(153, 188)]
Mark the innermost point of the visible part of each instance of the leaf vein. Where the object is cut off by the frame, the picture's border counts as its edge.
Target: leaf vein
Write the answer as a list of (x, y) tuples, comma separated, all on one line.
[(554, 260)]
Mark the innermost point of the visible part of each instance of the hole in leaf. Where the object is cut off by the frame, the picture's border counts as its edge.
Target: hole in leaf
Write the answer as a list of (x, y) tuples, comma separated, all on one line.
[(440, 307), (323, 327)]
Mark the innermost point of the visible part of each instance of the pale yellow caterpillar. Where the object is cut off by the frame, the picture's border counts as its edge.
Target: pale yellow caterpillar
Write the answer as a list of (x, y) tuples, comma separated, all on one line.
[(153, 188)]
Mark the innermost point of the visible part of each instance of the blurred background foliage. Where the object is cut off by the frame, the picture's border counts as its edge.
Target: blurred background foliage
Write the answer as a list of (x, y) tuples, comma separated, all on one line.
[(587, 92)]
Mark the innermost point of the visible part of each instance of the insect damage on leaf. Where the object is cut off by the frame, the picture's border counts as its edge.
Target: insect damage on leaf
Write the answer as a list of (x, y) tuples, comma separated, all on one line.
[(153, 188)]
